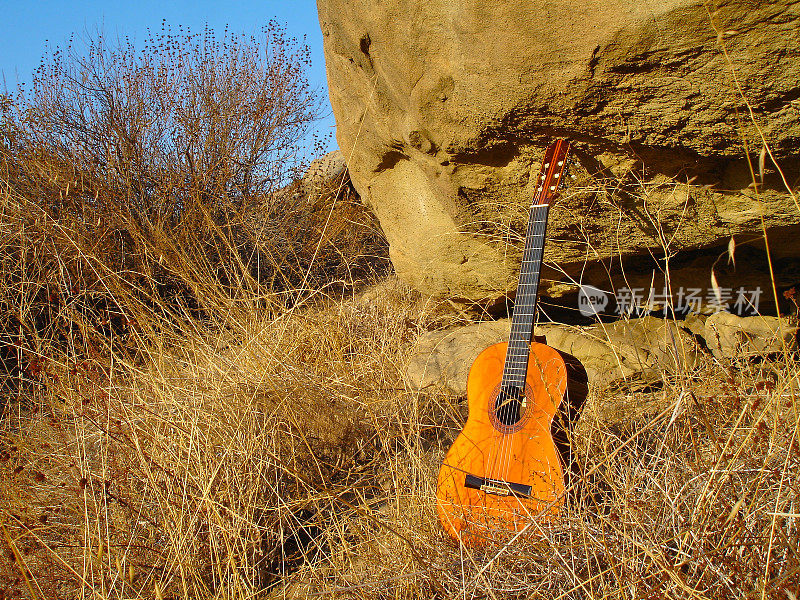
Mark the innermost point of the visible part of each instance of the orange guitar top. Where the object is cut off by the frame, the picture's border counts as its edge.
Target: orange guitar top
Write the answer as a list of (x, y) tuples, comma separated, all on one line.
[(521, 480)]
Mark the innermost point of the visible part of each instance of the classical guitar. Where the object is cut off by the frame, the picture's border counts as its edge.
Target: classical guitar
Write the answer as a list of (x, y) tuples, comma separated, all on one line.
[(503, 471)]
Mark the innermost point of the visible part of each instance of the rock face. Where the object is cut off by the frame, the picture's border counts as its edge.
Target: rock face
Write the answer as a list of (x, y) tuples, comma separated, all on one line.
[(443, 109)]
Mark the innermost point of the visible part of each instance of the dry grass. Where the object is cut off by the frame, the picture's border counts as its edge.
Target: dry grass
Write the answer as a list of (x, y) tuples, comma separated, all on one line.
[(280, 454)]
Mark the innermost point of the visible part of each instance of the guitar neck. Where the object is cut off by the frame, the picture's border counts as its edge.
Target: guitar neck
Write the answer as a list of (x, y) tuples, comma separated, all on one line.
[(524, 317), (551, 176)]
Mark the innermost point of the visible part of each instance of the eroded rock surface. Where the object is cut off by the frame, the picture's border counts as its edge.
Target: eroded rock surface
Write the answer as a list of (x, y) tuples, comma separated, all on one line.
[(443, 109), (731, 337), (608, 352)]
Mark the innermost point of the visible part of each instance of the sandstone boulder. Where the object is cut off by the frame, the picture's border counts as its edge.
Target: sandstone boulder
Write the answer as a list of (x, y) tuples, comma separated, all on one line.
[(444, 109), (445, 357), (322, 172), (608, 352), (731, 337)]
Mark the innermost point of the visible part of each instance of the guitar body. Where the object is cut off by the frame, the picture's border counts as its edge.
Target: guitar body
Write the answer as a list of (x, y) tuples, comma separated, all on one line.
[(497, 478)]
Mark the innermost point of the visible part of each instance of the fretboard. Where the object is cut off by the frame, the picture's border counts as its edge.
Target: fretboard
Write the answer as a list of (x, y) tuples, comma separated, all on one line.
[(524, 316)]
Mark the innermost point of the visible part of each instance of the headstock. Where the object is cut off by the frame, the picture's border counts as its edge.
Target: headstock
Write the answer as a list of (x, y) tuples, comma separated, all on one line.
[(553, 172)]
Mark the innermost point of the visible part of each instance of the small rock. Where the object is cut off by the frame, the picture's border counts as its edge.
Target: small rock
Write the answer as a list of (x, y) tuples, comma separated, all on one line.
[(445, 357), (695, 324), (730, 336), (650, 344), (323, 170)]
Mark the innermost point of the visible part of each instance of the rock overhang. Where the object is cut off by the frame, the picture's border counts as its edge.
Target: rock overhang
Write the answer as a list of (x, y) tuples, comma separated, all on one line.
[(443, 110)]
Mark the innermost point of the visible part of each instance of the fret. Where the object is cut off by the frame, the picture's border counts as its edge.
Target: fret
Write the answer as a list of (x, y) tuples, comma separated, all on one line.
[(524, 314)]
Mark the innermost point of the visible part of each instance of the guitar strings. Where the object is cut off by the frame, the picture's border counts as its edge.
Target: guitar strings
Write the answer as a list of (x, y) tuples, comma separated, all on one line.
[(512, 395), (518, 353), (503, 399), (521, 338), (515, 368), (513, 386)]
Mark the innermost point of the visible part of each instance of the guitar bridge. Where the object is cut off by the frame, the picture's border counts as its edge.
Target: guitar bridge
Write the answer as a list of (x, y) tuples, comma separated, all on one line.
[(497, 487)]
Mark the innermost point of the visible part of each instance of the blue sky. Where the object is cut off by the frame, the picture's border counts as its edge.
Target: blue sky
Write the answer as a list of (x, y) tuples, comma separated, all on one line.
[(27, 26)]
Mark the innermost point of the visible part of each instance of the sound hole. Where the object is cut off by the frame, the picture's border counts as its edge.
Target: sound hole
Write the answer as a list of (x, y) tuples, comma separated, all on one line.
[(508, 407)]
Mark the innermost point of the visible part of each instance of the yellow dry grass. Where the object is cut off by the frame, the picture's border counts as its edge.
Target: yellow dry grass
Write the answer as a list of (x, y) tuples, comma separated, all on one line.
[(281, 454)]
